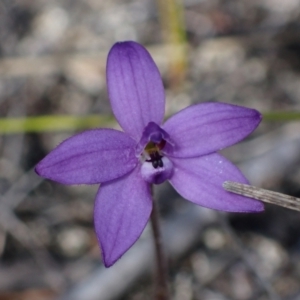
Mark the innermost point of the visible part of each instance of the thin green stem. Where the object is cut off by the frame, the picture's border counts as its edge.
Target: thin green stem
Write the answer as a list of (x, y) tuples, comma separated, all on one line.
[(57, 123), (281, 116), (161, 277), (53, 123)]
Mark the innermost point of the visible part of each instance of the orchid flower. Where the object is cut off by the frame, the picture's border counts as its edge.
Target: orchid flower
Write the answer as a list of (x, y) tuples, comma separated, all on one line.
[(150, 151)]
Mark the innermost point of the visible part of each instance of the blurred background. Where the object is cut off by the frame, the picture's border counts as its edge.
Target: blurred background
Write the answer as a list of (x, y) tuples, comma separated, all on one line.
[(52, 84)]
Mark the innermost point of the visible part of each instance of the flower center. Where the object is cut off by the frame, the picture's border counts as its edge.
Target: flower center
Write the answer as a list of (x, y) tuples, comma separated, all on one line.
[(155, 166), (153, 151)]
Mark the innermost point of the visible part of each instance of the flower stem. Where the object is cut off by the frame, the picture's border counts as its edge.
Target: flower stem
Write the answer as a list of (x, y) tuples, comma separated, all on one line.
[(161, 278)]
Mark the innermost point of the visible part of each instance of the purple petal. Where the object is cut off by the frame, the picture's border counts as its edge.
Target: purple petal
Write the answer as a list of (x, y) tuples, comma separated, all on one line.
[(157, 175), (208, 127), (200, 180), (152, 133), (121, 213), (90, 157), (135, 87)]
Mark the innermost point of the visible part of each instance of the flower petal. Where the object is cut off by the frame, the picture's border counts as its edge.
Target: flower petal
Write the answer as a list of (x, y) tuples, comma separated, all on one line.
[(135, 87), (208, 127), (200, 180), (157, 175), (152, 133), (90, 157), (122, 210)]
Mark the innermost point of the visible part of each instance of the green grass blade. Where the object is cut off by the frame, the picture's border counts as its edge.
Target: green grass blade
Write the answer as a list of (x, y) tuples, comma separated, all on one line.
[(53, 123), (281, 116), (71, 123)]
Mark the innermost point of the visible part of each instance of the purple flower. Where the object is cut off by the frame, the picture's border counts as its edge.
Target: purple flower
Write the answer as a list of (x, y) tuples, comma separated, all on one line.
[(181, 150)]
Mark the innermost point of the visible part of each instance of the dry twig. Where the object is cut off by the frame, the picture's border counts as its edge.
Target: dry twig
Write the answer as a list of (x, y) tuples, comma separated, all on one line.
[(263, 195)]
